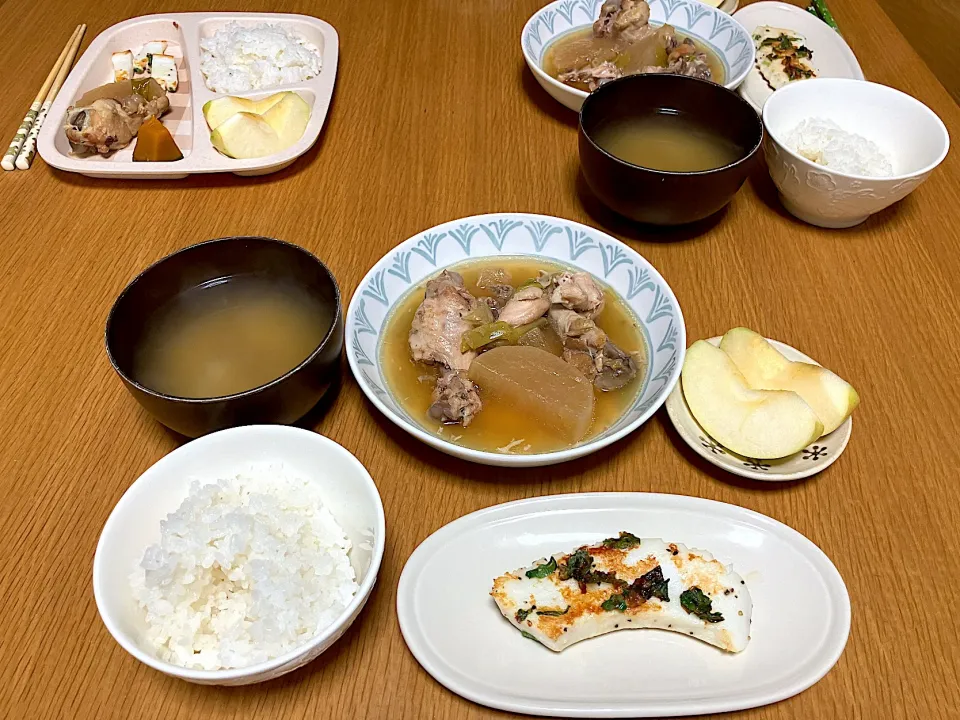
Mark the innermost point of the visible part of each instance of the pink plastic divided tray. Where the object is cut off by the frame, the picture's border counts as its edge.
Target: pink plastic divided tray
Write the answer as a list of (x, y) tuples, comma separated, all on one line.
[(183, 32)]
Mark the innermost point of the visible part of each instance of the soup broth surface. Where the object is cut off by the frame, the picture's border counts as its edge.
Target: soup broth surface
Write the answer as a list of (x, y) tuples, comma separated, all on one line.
[(669, 141), (498, 427), (229, 337), (631, 58)]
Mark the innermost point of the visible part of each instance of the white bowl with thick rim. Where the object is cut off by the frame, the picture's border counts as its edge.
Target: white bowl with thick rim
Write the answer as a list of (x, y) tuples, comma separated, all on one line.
[(348, 492), (912, 136), (407, 266), (713, 28)]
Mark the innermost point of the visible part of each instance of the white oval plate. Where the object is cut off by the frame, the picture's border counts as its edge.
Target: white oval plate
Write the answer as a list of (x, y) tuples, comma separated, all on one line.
[(801, 614), (407, 266), (832, 57), (809, 461)]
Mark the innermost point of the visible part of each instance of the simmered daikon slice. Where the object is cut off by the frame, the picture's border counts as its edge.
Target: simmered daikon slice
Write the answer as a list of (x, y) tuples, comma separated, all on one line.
[(538, 385)]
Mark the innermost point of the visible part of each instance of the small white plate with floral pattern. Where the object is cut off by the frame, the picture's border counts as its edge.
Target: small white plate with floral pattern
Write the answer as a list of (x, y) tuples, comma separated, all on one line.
[(812, 459)]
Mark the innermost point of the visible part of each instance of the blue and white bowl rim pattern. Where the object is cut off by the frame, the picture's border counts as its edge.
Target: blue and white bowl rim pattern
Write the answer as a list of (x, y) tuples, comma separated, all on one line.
[(424, 255), (728, 39)]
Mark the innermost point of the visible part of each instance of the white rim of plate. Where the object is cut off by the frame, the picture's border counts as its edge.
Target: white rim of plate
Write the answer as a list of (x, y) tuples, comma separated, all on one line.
[(690, 430)]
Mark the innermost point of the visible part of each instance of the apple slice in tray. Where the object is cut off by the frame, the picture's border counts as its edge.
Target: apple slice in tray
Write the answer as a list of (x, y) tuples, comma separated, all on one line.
[(763, 424), (242, 128), (832, 398)]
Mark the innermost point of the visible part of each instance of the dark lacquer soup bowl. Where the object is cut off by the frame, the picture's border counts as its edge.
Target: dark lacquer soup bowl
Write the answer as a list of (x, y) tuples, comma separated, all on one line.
[(285, 398), (662, 197)]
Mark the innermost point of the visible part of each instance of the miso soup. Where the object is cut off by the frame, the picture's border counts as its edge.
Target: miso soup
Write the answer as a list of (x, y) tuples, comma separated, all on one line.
[(667, 140), (229, 337)]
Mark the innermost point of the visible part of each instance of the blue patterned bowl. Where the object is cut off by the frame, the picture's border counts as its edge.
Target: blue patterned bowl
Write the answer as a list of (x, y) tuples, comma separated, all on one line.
[(408, 265), (727, 38)]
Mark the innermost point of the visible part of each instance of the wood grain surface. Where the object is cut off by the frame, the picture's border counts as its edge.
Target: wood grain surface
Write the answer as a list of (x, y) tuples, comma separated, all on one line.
[(434, 118), (932, 27)]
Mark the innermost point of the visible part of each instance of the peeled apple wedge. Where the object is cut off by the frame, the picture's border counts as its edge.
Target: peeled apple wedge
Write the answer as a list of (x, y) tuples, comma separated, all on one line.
[(288, 118), (762, 424), (245, 135), (831, 397), (218, 110)]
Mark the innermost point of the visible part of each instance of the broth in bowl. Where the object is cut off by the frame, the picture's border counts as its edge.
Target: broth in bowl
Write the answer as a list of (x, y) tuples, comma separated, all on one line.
[(229, 336), (622, 42), (667, 140), (513, 355)]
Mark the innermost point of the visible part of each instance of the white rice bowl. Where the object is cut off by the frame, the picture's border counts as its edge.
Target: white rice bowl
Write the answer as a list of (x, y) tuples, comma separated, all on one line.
[(238, 59), (247, 569)]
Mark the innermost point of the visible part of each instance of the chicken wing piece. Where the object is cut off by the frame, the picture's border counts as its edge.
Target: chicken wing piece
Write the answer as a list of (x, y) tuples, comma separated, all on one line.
[(438, 325)]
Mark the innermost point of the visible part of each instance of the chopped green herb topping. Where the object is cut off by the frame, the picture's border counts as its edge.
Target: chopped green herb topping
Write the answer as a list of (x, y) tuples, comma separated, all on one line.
[(522, 614), (554, 613), (614, 602), (648, 585), (696, 603), (541, 571), (579, 566), (528, 636), (624, 542)]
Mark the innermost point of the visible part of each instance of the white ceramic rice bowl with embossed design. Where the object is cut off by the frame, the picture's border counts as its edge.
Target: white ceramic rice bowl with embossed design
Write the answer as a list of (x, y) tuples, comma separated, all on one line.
[(711, 27), (907, 131), (407, 266)]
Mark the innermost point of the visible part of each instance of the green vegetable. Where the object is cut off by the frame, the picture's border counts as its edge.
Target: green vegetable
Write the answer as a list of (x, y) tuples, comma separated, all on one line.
[(624, 542), (484, 335), (522, 614), (823, 12), (554, 613), (528, 283), (496, 333), (541, 571), (579, 566), (147, 88), (615, 602), (528, 636), (696, 603), (480, 315)]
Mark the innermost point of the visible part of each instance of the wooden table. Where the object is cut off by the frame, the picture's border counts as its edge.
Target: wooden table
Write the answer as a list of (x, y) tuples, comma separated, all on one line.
[(434, 118)]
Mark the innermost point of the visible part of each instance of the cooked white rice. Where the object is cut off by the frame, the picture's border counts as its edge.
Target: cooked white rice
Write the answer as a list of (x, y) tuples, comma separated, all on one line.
[(238, 59), (246, 569), (826, 143)]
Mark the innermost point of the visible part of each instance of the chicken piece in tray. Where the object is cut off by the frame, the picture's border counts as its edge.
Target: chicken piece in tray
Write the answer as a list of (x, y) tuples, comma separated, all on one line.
[(109, 118)]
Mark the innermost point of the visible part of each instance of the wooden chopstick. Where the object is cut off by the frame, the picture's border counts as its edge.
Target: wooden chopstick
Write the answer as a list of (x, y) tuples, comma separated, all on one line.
[(29, 149), (10, 157)]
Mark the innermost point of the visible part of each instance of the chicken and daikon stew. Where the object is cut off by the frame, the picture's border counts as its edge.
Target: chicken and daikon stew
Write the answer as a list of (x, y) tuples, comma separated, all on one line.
[(514, 355), (623, 42)]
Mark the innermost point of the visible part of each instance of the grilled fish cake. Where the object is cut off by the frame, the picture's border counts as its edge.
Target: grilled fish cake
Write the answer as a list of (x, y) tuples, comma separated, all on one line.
[(623, 583)]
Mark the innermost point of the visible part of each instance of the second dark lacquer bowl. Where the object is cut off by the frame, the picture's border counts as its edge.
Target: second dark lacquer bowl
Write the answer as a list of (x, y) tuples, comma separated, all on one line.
[(659, 197), (283, 400)]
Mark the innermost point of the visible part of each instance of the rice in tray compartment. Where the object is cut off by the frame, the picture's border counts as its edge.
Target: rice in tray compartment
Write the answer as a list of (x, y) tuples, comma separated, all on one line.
[(826, 143), (238, 59), (247, 568)]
